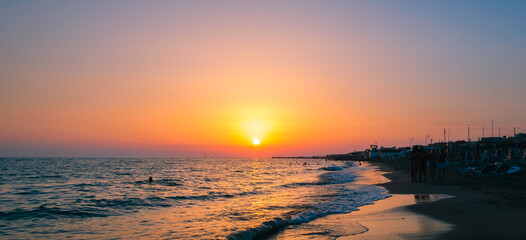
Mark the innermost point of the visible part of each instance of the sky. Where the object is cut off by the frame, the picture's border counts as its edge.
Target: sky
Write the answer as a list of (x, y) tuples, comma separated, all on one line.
[(185, 78)]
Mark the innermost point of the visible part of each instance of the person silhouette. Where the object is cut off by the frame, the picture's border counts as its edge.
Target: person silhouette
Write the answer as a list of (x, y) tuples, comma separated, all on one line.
[(423, 159), (432, 163), (413, 164), (150, 179), (441, 164)]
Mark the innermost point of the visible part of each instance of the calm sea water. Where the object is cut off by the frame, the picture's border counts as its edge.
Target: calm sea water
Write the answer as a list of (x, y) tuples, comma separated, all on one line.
[(188, 199)]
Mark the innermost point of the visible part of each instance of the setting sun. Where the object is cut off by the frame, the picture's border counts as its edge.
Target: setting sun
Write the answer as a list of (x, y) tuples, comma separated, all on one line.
[(228, 119)]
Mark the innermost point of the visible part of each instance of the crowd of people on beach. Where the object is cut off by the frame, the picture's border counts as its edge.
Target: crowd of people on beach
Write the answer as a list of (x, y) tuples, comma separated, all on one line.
[(421, 160)]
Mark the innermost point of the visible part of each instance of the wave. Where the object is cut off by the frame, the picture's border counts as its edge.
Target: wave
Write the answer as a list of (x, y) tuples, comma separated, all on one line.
[(31, 176), (105, 207), (348, 201), (87, 208), (332, 168), (128, 203), (29, 192), (213, 195), (264, 229), (335, 177), (44, 211)]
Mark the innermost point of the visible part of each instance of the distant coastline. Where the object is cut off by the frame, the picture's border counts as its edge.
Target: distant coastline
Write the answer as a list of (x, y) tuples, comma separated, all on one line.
[(489, 148)]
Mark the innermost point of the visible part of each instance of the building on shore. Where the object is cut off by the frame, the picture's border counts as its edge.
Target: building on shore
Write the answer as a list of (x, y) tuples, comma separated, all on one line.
[(389, 154), (373, 152)]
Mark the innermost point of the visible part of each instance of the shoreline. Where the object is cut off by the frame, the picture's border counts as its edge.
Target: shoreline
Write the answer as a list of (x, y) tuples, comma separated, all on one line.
[(386, 218), (457, 208), (392, 218), (491, 209)]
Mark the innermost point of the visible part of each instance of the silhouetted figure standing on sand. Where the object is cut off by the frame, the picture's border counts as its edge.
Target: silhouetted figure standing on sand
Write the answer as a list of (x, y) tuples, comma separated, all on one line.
[(441, 164), (412, 165), (432, 163), (421, 162)]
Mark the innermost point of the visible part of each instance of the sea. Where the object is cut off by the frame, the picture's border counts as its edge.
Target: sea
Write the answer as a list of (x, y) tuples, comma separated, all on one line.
[(112, 198)]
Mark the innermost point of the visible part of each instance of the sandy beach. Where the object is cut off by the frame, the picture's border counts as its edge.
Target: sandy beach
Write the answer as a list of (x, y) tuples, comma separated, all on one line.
[(477, 209), (457, 208)]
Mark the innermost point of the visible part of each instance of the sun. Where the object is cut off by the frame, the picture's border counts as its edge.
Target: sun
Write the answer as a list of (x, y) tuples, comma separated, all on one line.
[(256, 141)]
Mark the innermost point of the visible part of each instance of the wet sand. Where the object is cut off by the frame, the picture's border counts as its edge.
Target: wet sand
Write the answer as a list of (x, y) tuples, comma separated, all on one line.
[(390, 219), (385, 219)]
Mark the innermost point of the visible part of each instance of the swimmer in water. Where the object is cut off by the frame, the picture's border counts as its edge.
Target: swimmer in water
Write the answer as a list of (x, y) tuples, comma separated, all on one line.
[(150, 179)]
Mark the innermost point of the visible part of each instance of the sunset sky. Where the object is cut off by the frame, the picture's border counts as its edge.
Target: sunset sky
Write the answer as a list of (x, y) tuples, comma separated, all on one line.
[(184, 78)]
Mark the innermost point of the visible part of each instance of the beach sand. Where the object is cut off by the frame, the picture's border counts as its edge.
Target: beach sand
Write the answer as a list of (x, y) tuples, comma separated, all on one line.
[(386, 219), (478, 209), (457, 208), (390, 219)]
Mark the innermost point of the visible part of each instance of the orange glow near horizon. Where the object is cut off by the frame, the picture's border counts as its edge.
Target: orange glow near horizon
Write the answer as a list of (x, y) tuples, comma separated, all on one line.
[(304, 79)]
